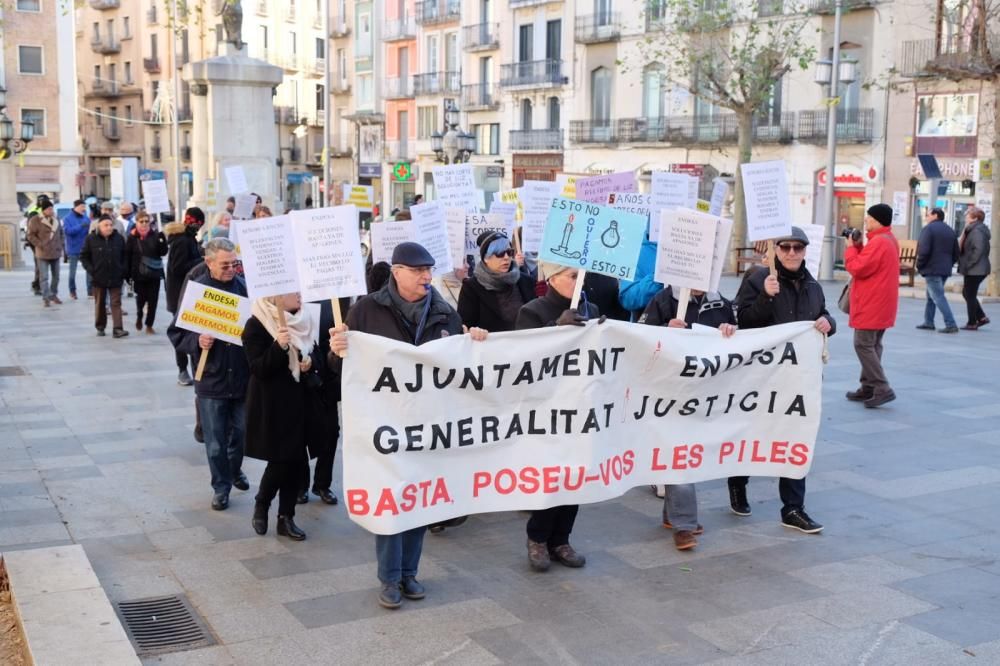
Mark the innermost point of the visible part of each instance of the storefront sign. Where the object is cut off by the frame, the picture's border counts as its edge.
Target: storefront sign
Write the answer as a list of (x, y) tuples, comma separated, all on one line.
[(537, 161), (846, 176), (951, 169)]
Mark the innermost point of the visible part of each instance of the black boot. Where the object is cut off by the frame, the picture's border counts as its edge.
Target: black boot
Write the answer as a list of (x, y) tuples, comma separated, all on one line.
[(288, 528), (259, 520)]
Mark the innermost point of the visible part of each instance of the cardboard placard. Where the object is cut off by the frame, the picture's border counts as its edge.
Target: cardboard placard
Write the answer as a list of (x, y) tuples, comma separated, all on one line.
[(671, 191), (506, 210), (595, 189), (536, 198), (267, 249), (566, 185), (594, 238), (765, 189), (432, 232), (209, 311), (900, 205), (327, 245), (362, 196), (245, 203), (478, 224), (387, 235), (236, 179), (455, 221), (455, 187), (720, 190), (686, 250), (814, 251), (154, 193)]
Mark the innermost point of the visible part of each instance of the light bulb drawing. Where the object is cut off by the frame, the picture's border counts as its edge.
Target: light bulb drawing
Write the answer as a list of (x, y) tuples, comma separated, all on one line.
[(611, 237), (563, 249)]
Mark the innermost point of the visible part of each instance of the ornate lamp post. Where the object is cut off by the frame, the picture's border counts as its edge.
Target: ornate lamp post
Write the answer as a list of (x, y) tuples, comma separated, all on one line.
[(455, 145), (9, 145)]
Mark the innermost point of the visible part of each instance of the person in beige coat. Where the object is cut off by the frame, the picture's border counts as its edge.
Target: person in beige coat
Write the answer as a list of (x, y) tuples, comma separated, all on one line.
[(45, 233)]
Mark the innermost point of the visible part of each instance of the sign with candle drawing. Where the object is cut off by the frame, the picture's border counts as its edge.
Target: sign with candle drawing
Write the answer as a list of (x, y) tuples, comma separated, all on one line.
[(592, 237)]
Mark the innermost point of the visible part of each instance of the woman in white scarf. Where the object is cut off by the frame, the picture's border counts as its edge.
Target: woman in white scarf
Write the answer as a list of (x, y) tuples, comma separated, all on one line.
[(278, 340)]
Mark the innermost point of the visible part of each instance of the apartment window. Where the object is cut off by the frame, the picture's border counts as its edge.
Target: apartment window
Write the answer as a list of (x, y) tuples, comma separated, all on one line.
[(365, 99), (185, 51), (292, 44), (451, 52), (29, 60), (111, 31), (156, 139), (487, 138), (126, 27), (97, 32), (128, 115), (600, 95), (113, 72), (152, 47), (526, 113), (218, 33), (432, 53), (97, 72), (553, 39), (98, 116), (525, 46), (652, 91), (342, 65), (128, 73), (36, 116), (263, 36), (320, 47), (29, 5), (552, 111), (427, 122), (320, 97)]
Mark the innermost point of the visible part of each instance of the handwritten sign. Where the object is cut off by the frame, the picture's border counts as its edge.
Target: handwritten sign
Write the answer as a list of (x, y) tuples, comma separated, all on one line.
[(476, 225), (814, 251), (671, 191), (237, 179), (455, 220), (596, 238), (387, 235), (432, 232), (685, 252), (765, 189), (632, 202), (456, 187), (595, 189), (362, 196), (213, 312), (506, 210), (900, 204), (720, 190), (154, 192), (267, 248), (245, 203), (536, 197), (327, 252)]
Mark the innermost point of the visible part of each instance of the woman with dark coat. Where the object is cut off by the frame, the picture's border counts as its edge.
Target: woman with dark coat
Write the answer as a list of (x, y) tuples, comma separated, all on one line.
[(279, 352), (144, 251), (492, 296), (974, 265), (549, 529), (185, 254)]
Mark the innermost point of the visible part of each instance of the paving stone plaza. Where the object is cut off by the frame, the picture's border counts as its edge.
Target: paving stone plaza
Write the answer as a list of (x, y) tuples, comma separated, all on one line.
[(97, 450)]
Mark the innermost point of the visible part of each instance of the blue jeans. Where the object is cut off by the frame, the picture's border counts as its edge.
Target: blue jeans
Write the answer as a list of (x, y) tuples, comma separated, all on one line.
[(399, 554), (74, 259), (223, 423), (936, 299), (45, 267), (680, 506)]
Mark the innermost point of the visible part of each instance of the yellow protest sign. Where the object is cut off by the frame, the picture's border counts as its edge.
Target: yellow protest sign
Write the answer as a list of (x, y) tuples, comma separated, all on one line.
[(213, 312)]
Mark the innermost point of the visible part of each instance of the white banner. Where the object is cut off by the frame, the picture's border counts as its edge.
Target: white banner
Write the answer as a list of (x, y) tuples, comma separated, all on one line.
[(546, 417)]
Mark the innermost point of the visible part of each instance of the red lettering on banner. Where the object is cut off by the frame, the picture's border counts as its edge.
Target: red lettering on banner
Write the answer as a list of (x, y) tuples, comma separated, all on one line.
[(551, 476), (680, 457), (357, 501), (386, 502), (695, 454), (726, 450), (657, 466), (480, 480), (513, 481), (799, 455), (778, 452), (529, 480), (754, 456), (420, 495), (629, 458)]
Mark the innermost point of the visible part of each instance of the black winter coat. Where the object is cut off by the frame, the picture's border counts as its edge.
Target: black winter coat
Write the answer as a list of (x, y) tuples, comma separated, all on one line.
[(277, 405), (185, 254), (226, 370), (544, 311), (478, 306), (937, 249), (153, 246), (602, 291), (104, 259), (797, 300), (701, 310), (323, 392)]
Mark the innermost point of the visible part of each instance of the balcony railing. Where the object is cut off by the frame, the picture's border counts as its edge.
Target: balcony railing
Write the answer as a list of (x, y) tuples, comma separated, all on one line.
[(682, 130), (399, 88), (431, 12), (956, 55), (340, 27), (853, 126), (105, 4), (111, 132), (399, 29), (596, 28), (186, 153), (518, 4), (106, 88), (400, 151), (481, 37), (286, 115), (151, 65), (437, 83), (340, 150), (538, 73), (480, 97), (105, 46), (315, 66), (156, 153), (290, 63), (829, 6), (151, 16), (542, 139), (184, 115)]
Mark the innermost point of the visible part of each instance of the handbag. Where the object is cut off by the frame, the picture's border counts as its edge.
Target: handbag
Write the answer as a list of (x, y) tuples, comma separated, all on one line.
[(844, 302), (151, 268)]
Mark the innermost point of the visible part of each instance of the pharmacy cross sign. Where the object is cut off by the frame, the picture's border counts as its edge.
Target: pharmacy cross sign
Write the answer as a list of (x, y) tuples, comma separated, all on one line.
[(402, 171)]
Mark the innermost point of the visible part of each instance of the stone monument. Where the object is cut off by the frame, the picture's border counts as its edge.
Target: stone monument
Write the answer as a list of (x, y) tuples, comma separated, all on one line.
[(233, 117)]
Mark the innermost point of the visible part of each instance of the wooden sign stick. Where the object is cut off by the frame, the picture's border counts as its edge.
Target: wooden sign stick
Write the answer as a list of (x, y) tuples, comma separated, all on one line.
[(578, 289), (682, 303), (517, 242), (338, 316), (770, 258), (201, 365)]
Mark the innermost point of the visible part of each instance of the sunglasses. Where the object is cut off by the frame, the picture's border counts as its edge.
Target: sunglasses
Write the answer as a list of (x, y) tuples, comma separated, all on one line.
[(228, 265), (505, 253), (792, 247), (711, 305)]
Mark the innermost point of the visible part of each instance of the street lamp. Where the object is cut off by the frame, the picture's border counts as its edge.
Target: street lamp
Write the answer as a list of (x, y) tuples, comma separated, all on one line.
[(455, 145), (832, 73), (10, 146)]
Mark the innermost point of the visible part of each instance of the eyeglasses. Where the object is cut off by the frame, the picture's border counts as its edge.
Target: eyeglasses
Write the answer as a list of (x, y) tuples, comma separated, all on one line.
[(228, 265), (505, 253), (419, 270), (795, 248)]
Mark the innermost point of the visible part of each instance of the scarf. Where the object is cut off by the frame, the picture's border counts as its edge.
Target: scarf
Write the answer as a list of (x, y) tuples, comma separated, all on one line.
[(302, 325), (494, 280), (414, 314), (791, 276)]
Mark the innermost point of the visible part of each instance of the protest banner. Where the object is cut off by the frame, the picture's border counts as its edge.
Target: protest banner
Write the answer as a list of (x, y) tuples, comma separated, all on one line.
[(387, 235), (670, 191), (154, 194), (720, 190), (478, 224), (432, 232), (685, 253), (267, 249), (455, 220), (328, 254), (455, 186), (536, 197), (214, 312), (245, 204), (362, 196), (237, 179), (595, 189), (565, 415), (594, 238), (814, 251)]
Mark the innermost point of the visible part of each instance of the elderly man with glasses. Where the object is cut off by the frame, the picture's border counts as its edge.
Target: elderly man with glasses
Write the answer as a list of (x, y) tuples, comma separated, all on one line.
[(790, 294)]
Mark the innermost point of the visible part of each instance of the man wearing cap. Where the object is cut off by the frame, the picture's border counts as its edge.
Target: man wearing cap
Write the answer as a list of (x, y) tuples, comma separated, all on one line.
[(410, 310), (108, 208), (76, 226), (45, 233), (937, 252), (874, 270), (792, 294)]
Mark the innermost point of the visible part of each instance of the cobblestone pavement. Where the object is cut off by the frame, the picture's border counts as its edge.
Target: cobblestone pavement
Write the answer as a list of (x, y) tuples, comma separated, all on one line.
[(96, 449)]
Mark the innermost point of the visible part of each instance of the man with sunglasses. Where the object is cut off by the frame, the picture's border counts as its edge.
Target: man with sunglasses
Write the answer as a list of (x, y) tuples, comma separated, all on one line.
[(792, 294)]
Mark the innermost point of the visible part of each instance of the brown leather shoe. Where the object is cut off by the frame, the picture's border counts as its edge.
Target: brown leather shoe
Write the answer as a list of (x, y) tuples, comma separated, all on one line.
[(149, 330), (684, 540), (697, 530), (57, 300), (566, 556), (538, 556)]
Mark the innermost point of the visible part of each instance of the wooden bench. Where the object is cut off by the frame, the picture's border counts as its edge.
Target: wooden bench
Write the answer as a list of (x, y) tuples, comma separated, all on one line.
[(747, 257), (7, 235), (908, 259)]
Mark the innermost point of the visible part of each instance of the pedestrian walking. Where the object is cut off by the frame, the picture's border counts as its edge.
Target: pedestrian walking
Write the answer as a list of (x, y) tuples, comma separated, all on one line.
[(792, 294), (103, 257), (937, 252), (974, 265), (278, 350), (45, 233), (184, 254), (144, 252), (549, 529), (410, 310), (492, 296), (41, 202), (76, 226), (222, 388), (680, 501)]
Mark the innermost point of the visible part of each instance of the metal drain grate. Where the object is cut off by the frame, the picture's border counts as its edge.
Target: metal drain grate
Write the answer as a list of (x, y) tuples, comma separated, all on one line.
[(11, 371), (163, 624)]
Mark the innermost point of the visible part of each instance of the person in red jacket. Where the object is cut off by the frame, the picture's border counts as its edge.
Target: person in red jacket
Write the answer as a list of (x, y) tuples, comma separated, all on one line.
[(874, 268)]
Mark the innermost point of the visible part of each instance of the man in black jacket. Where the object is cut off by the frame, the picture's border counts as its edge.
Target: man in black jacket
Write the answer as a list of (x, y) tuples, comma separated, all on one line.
[(103, 257), (937, 252), (185, 254), (223, 387), (792, 294)]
